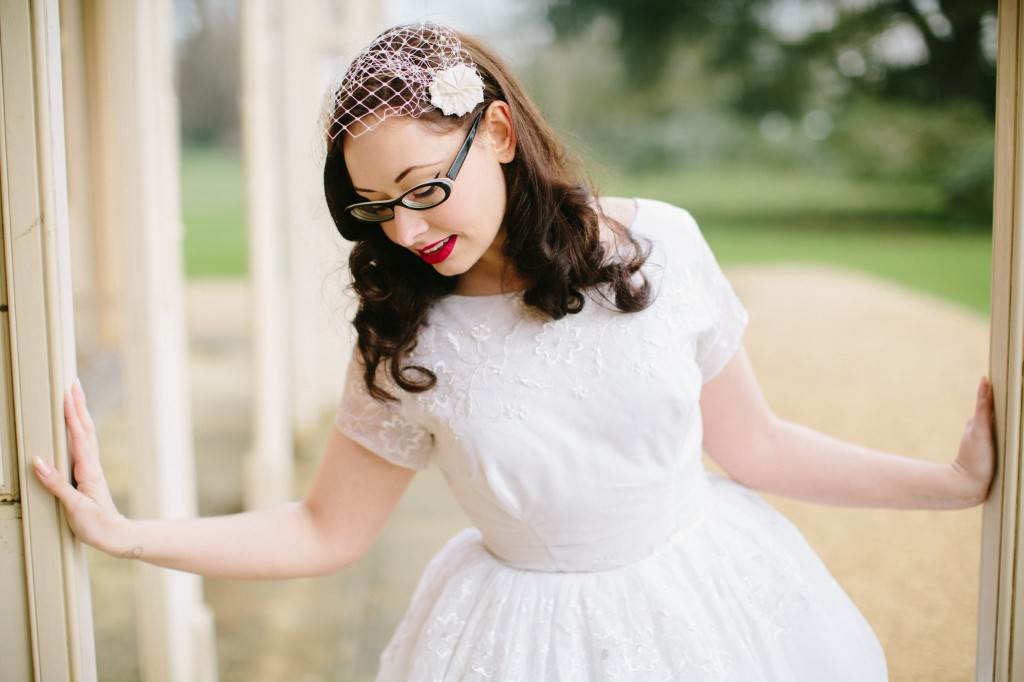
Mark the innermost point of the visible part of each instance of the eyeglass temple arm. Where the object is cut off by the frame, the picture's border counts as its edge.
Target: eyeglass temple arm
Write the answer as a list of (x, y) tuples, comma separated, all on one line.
[(463, 151)]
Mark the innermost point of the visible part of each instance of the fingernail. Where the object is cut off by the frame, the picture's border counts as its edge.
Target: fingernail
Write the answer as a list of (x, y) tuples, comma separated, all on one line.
[(42, 466)]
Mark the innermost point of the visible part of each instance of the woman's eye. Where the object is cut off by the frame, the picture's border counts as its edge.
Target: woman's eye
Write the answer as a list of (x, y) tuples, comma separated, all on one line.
[(424, 193)]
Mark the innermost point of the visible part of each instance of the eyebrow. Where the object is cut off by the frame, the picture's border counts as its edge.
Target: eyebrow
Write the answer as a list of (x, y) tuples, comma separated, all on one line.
[(399, 177)]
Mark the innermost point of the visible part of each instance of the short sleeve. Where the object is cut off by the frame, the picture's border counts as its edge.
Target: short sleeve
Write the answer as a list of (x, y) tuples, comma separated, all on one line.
[(718, 343), (381, 427)]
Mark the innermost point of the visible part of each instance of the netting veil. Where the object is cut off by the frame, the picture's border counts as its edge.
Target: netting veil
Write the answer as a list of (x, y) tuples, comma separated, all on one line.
[(405, 71)]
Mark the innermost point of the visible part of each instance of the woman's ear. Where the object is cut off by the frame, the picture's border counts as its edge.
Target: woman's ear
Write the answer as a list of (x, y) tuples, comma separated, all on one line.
[(502, 134)]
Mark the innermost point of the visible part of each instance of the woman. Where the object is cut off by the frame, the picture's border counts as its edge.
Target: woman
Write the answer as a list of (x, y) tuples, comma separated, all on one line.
[(562, 358)]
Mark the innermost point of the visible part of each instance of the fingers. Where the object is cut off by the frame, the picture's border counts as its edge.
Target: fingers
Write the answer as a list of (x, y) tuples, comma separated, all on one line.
[(71, 415), (54, 482), (984, 401), (82, 436), (83, 455), (984, 413), (80, 407)]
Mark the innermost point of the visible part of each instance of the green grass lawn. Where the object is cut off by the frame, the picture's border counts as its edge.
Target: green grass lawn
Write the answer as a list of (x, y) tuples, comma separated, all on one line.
[(894, 230), (213, 208)]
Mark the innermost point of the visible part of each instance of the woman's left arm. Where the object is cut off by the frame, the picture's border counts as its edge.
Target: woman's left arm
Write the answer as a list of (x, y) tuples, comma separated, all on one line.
[(780, 457)]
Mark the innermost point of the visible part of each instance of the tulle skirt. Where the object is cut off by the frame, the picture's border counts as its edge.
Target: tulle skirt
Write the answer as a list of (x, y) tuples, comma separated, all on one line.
[(739, 596)]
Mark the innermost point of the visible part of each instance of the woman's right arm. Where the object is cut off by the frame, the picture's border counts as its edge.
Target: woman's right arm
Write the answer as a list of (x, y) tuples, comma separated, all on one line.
[(341, 516)]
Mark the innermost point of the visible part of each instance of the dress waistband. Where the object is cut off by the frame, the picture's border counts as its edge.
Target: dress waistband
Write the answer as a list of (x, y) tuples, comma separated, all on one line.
[(632, 543)]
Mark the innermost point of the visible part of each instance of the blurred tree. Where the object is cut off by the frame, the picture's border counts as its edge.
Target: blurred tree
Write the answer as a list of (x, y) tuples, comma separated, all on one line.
[(863, 45), (207, 71)]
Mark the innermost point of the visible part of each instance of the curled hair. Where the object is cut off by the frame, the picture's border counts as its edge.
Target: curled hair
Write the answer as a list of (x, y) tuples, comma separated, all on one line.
[(551, 230)]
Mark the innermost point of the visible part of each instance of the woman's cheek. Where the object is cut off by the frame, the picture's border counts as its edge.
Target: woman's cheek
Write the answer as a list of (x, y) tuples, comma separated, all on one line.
[(457, 221)]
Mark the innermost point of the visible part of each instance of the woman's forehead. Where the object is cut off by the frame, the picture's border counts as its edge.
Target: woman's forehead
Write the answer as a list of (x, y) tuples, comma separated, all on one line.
[(377, 156)]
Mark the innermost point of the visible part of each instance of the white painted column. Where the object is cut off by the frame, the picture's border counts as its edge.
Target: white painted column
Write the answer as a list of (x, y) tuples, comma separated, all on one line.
[(319, 40), (314, 367), (290, 53), (98, 284), (140, 196), (268, 465), (84, 256)]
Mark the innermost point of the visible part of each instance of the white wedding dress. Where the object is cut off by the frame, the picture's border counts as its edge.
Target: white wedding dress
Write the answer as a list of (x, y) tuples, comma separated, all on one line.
[(602, 548)]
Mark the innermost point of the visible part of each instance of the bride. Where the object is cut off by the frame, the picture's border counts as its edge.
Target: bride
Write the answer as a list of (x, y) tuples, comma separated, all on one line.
[(563, 359)]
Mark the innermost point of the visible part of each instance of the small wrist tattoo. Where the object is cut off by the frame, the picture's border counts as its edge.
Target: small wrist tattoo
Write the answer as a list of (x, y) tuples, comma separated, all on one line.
[(133, 553)]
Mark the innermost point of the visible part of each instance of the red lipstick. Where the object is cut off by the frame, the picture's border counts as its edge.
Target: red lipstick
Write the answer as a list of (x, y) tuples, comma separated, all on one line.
[(440, 254)]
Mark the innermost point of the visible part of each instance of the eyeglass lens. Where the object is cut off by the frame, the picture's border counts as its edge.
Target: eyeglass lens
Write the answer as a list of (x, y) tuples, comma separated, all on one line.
[(422, 197)]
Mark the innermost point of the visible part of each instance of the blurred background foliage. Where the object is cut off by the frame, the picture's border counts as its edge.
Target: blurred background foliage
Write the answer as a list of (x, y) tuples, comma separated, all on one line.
[(895, 90), (823, 130)]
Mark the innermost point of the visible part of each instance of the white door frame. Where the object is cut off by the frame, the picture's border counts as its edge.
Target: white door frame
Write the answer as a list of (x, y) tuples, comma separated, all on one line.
[(1000, 655), (53, 640)]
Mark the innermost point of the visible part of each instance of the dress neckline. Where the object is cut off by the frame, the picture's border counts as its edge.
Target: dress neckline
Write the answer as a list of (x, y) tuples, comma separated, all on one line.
[(518, 292)]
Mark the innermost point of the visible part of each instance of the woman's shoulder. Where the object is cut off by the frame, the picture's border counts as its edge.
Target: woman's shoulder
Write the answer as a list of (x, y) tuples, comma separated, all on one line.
[(628, 210), (620, 209), (649, 217)]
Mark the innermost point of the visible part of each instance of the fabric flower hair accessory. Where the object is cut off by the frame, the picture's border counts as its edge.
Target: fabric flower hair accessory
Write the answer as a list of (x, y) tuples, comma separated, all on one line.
[(407, 70), (456, 90)]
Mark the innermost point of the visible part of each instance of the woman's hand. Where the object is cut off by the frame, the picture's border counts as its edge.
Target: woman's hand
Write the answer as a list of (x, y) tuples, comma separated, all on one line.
[(975, 462), (89, 509)]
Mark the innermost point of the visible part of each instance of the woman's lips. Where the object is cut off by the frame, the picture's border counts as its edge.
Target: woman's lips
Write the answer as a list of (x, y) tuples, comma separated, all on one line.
[(440, 254), (432, 245)]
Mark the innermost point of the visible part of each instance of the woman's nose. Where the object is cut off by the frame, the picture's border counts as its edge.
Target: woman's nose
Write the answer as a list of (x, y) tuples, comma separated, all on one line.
[(409, 225)]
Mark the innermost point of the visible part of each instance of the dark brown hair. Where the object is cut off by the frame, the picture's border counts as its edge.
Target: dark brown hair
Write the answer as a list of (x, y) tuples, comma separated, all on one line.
[(551, 229)]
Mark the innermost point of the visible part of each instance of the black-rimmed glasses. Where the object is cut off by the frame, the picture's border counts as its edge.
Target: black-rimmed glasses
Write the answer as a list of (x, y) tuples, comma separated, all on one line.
[(422, 196)]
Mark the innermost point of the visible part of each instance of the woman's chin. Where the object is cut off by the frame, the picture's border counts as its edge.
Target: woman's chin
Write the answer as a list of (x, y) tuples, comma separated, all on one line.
[(452, 265)]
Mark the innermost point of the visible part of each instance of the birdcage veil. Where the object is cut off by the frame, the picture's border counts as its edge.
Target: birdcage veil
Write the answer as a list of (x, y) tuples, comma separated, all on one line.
[(406, 70)]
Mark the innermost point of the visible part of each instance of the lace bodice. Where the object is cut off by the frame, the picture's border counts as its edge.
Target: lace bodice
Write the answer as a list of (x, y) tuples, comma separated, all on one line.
[(573, 444)]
